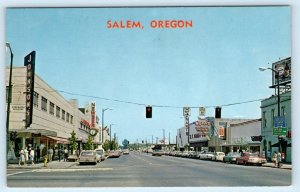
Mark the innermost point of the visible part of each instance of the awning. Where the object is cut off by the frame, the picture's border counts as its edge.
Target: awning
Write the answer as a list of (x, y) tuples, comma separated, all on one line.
[(35, 131), (59, 139)]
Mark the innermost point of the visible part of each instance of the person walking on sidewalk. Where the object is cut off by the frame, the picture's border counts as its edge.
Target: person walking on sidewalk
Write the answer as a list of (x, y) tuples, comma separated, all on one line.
[(22, 157), (50, 154), (274, 159), (26, 155), (279, 160), (65, 154), (31, 155)]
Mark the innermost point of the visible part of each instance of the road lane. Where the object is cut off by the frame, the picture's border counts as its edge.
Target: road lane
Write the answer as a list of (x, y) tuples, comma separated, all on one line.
[(144, 170)]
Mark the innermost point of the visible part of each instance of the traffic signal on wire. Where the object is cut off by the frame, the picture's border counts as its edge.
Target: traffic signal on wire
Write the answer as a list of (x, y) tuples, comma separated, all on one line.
[(148, 112), (218, 112)]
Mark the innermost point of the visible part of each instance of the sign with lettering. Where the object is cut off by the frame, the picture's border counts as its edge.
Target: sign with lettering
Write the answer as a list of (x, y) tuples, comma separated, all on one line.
[(202, 111), (186, 111), (279, 126), (284, 69), (93, 114), (29, 62)]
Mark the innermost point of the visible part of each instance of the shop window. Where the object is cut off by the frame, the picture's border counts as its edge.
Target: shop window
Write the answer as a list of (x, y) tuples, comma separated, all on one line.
[(35, 99), (44, 104), (57, 111), (51, 109), (63, 114)]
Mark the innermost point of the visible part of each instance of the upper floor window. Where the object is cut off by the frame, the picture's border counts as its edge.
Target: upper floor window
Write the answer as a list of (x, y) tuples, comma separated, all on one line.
[(63, 114), (71, 119), (44, 104), (51, 110), (272, 117), (35, 99), (264, 120), (68, 117), (283, 111), (58, 111)]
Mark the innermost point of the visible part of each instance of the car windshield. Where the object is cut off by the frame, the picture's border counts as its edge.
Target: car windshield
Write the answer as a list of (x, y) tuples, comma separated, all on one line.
[(99, 152), (86, 153)]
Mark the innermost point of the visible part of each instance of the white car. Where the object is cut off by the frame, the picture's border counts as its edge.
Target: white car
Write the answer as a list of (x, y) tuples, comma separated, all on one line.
[(218, 156), (88, 156)]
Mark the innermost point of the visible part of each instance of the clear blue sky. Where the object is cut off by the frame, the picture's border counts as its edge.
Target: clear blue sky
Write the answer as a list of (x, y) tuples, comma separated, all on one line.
[(214, 63)]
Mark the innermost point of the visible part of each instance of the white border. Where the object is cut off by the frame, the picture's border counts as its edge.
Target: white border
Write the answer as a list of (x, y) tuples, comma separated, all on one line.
[(124, 3)]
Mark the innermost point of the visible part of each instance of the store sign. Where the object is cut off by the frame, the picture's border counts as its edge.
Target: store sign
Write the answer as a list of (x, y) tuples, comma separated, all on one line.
[(29, 62), (93, 114), (186, 111), (201, 111), (18, 107), (202, 126)]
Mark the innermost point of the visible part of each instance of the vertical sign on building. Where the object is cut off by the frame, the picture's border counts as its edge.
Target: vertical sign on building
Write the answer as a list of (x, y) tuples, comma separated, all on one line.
[(29, 62), (93, 114), (186, 114)]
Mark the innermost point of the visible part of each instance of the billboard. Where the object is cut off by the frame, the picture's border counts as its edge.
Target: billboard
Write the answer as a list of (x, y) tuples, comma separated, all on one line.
[(284, 69)]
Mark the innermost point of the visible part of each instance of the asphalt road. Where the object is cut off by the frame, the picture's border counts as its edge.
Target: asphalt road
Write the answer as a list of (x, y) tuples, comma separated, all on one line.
[(144, 170)]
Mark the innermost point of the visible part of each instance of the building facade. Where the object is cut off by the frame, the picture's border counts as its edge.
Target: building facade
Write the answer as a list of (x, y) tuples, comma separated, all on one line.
[(53, 117)]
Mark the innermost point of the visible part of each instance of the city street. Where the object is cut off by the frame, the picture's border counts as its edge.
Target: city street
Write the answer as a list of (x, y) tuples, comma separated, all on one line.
[(143, 170)]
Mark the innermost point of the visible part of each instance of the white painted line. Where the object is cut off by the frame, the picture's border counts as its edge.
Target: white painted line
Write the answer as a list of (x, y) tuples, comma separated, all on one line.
[(72, 170), (17, 173)]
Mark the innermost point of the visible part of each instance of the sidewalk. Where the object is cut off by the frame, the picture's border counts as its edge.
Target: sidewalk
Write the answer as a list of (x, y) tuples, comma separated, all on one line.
[(50, 165), (284, 165)]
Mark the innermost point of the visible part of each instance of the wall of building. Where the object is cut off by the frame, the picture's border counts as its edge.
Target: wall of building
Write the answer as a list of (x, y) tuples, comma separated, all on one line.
[(269, 110)]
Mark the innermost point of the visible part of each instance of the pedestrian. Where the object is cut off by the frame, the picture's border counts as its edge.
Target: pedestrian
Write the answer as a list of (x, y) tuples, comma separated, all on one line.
[(50, 154), (65, 154), (31, 155), (59, 153), (279, 159), (22, 157), (38, 154), (26, 155), (274, 159)]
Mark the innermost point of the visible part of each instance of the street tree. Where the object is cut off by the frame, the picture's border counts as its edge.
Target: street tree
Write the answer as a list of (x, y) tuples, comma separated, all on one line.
[(73, 143)]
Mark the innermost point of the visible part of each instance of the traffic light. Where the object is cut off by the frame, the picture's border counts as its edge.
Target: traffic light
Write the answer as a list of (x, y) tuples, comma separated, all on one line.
[(218, 112), (148, 112)]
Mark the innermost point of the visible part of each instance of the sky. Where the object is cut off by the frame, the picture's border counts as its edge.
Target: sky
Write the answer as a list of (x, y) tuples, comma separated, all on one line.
[(214, 63)]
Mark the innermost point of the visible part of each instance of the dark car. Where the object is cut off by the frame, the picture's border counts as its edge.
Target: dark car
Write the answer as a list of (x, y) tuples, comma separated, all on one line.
[(231, 157)]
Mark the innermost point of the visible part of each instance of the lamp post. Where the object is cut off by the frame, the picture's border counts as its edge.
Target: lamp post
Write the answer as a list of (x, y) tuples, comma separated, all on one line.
[(278, 95), (110, 145), (9, 99), (102, 127)]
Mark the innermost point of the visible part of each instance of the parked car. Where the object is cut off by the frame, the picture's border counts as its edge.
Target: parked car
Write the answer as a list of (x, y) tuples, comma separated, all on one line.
[(218, 156), (210, 155), (250, 158), (114, 154), (231, 157), (101, 153), (88, 156), (202, 155)]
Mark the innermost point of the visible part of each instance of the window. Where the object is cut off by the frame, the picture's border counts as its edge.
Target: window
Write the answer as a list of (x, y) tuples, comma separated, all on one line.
[(63, 114), (58, 111), (44, 104), (6, 94), (51, 110), (272, 117), (283, 111), (264, 120), (71, 119), (68, 117), (35, 99)]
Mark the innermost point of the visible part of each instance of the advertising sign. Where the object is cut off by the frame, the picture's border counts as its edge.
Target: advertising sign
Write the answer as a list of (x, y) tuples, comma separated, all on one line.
[(29, 62), (284, 69), (93, 114), (186, 111), (202, 111), (199, 130)]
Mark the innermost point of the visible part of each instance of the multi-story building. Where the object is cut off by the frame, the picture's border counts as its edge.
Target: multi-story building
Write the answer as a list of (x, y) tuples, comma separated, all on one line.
[(276, 112), (53, 117)]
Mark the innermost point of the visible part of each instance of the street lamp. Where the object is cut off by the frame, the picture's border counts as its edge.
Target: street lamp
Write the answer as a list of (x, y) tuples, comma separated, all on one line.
[(278, 94), (9, 98), (102, 127), (110, 146)]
